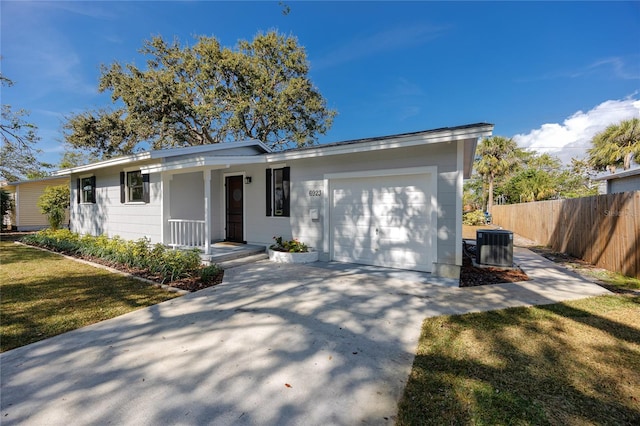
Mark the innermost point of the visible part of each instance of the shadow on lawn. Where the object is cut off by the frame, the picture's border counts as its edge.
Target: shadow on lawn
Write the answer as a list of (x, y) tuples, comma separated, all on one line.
[(523, 366), (44, 301)]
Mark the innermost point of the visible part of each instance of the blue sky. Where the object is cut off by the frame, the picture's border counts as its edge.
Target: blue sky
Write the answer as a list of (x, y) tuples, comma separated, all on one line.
[(549, 74)]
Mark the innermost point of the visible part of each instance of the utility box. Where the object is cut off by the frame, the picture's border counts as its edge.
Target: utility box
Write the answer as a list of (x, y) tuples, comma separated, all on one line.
[(494, 247)]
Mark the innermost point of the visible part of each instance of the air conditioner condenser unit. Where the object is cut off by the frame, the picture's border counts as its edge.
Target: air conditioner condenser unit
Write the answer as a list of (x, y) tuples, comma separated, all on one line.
[(494, 247)]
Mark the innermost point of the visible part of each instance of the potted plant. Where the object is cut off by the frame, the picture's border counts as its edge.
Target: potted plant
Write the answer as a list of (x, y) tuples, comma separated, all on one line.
[(291, 251)]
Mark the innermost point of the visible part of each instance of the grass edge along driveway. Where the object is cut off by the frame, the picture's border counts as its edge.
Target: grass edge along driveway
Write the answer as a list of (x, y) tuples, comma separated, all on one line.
[(45, 294), (568, 363)]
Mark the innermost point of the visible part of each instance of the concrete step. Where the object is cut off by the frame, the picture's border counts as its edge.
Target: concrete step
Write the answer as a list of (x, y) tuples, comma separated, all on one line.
[(223, 253), (233, 263)]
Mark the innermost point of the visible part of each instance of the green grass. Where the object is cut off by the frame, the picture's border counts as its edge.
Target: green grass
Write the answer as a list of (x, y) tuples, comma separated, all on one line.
[(45, 294), (613, 279), (573, 363)]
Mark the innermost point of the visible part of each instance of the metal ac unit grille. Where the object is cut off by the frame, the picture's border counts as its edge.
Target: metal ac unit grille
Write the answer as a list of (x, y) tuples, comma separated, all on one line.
[(494, 247)]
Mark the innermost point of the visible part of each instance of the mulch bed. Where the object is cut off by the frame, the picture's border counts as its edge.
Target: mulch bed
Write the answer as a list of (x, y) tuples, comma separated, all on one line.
[(472, 276), (188, 284)]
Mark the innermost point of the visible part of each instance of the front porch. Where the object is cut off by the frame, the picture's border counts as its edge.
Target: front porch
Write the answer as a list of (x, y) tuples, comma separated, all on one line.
[(191, 234), (198, 210)]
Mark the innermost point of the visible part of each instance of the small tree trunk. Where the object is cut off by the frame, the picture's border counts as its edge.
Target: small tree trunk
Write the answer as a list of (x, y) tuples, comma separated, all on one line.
[(627, 161), (490, 200)]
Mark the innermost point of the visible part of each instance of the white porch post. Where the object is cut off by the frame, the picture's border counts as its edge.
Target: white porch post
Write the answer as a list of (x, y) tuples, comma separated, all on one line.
[(207, 209), (165, 209)]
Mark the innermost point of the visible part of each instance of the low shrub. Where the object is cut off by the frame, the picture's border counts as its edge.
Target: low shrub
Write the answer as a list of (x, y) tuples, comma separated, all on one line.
[(177, 264), (169, 265), (290, 246), (473, 218), (61, 240), (209, 274)]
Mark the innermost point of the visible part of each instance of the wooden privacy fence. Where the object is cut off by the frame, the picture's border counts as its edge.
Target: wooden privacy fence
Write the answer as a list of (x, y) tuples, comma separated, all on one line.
[(603, 230)]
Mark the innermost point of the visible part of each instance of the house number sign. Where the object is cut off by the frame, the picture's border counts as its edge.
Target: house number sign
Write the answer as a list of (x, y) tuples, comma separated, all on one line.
[(315, 193)]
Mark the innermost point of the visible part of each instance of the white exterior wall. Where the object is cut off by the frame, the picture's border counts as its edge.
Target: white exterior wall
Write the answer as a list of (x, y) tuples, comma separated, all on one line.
[(109, 217), (26, 215), (184, 198), (187, 200), (309, 174)]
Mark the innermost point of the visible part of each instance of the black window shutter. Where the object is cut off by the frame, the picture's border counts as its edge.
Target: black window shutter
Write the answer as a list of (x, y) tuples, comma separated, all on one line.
[(286, 187), (78, 195), (145, 188), (93, 189), (268, 191), (122, 188)]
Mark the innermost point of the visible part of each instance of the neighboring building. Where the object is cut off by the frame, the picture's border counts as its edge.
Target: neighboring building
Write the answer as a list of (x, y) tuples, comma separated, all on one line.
[(393, 201), (626, 181), (26, 214)]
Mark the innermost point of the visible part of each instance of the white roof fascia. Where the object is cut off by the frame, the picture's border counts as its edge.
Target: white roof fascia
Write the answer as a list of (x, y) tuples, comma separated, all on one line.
[(44, 179), (402, 141), (470, 147), (106, 163), (190, 163)]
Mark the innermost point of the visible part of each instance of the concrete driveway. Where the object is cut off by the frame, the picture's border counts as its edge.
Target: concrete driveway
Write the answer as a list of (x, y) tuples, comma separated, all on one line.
[(273, 345)]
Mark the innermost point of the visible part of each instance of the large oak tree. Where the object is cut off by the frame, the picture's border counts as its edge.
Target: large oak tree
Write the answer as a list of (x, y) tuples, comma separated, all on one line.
[(205, 94), (18, 153)]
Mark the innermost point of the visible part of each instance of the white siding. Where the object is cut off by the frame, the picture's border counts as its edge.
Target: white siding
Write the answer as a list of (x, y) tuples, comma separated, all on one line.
[(308, 174), (108, 216), (27, 214)]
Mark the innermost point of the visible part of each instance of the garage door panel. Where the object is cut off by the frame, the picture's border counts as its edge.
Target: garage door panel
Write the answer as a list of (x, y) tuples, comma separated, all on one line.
[(382, 221)]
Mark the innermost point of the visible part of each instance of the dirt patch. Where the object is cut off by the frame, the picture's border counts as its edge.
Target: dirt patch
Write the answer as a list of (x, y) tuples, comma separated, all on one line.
[(8, 235), (471, 276)]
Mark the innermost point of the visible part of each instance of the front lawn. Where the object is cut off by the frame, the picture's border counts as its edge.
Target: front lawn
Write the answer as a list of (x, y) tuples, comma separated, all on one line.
[(44, 294), (571, 363)]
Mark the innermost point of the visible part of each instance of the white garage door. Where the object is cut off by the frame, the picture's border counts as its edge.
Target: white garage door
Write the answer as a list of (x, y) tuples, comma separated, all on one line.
[(383, 221)]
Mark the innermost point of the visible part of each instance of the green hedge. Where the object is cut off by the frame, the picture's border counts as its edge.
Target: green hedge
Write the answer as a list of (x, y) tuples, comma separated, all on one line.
[(169, 264)]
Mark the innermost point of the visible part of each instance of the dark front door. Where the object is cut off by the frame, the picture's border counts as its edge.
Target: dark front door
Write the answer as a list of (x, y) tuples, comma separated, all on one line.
[(234, 205)]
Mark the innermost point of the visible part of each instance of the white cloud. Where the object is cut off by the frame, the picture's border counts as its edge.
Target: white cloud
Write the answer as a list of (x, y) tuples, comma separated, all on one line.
[(573, 136)]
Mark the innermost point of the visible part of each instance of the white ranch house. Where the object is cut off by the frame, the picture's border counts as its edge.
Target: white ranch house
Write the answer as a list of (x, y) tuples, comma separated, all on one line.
[(393, 201)]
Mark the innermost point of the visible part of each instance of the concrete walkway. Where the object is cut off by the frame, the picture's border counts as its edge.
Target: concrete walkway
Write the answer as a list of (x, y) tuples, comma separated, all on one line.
[(273, 345)]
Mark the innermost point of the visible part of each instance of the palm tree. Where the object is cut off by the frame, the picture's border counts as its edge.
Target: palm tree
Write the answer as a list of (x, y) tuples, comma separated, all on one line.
[(616, 146), (497, 158)]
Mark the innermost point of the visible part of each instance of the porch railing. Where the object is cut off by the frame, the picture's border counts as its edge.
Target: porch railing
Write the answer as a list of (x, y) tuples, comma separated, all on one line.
[(187, 233)]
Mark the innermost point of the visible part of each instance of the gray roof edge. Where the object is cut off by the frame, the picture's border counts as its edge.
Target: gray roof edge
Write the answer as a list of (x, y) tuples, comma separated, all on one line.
[(487, 126), (624, 174)]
